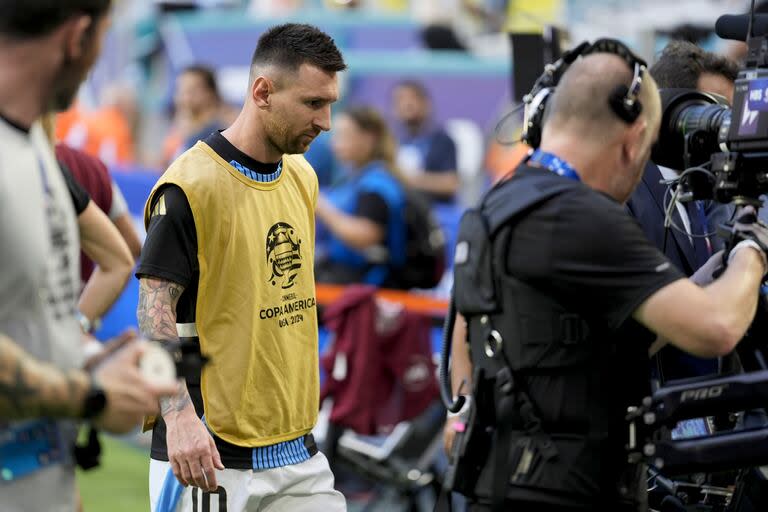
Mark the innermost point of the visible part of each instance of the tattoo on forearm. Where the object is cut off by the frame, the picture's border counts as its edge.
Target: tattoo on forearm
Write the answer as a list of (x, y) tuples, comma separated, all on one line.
[(156, 312), (157, 321), (177, 402), (29, 388)]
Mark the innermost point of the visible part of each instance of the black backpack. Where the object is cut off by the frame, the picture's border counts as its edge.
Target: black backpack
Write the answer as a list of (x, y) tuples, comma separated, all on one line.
[(424, 246)]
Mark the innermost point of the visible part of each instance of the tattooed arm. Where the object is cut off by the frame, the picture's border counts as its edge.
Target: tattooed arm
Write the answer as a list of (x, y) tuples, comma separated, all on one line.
[(30, 388), (157, 321), (191, 449), (156, 314)]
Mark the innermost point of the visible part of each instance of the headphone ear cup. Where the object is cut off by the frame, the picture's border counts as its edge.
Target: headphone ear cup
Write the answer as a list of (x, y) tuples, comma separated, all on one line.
[(628, 114)]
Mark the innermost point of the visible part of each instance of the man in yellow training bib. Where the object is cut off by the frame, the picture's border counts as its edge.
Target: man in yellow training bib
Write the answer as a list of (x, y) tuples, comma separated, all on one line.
[(228, 262)]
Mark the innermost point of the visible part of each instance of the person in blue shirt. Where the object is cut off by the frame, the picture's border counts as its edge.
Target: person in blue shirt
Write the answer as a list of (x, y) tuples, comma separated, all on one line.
[(427, 154), (361, 228)]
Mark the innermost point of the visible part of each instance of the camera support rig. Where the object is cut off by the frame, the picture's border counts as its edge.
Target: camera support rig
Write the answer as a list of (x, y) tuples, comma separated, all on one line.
[(649, 425)]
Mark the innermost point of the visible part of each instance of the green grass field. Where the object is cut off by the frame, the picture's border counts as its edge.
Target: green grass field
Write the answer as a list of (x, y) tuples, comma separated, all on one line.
[(120, 483)]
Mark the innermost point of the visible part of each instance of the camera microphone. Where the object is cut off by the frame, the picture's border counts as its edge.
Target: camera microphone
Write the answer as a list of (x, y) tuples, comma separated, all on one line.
[(736, 26)]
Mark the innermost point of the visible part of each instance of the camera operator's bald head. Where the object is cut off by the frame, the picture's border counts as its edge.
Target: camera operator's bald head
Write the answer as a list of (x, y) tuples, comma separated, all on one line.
[(581, 126), (581, 103)]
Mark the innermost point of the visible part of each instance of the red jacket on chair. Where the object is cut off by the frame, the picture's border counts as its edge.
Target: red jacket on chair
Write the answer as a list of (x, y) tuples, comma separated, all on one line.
[(380, 367)]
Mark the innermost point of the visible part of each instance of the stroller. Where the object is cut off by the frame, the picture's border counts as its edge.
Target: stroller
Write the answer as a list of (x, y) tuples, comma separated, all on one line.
[(386, 420)]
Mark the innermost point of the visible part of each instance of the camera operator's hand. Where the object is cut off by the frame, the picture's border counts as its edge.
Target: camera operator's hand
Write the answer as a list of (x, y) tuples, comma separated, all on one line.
[(710, 270), (748, 232)]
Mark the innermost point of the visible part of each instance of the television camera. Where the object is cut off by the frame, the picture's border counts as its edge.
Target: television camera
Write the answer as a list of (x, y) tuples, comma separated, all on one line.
[(723, 153)]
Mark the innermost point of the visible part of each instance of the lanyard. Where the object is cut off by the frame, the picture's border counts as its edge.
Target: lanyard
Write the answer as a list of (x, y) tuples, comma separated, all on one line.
[(554, 164)]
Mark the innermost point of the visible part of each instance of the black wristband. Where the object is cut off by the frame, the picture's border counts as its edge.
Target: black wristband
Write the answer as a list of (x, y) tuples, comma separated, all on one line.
[(95, 401)]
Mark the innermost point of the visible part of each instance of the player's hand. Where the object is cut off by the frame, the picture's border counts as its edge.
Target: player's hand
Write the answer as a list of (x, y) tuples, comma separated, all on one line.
[(129, 396), (191, 450)]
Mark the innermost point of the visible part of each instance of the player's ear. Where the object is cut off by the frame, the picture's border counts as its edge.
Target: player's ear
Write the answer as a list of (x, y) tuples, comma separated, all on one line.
[(261, 90)]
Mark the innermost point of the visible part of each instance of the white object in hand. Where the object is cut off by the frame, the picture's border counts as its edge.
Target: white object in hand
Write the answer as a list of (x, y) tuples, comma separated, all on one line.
[(157, 366)]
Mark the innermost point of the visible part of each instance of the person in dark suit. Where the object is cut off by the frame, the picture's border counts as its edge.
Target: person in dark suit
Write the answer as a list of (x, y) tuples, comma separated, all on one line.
[(683, 65)]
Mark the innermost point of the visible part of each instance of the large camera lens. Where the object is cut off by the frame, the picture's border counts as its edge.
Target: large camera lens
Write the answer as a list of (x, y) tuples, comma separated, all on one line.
[(707, 118), (691, 124)]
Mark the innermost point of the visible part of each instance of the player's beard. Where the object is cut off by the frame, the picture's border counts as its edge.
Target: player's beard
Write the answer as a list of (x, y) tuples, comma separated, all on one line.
[(66, 83), (280, 137)]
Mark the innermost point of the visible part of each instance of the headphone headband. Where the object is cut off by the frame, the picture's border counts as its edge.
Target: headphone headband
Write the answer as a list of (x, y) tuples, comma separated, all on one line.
[(623, 100)]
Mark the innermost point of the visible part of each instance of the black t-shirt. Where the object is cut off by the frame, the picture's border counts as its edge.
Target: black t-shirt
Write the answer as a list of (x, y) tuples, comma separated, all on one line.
[(170, 252), (80, 197), (582, 250), (585, 251)]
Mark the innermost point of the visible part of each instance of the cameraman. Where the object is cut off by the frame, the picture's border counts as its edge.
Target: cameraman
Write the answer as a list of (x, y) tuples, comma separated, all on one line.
[(579, 256), (683, 65)]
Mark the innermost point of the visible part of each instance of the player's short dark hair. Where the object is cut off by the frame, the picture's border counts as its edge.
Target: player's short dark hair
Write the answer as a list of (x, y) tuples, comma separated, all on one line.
[(681, 64), (27, 19), (414, 85), (206, 74), (290, 45)]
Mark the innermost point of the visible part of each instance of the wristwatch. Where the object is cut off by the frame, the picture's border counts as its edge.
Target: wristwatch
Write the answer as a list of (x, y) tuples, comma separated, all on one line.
[(95, 401)]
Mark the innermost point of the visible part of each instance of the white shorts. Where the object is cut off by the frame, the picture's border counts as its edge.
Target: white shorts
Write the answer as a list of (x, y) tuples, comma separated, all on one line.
[(304, 487)]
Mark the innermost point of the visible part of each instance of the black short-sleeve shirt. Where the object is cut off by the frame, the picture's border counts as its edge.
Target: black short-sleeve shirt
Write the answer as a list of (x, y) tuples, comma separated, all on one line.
[(170, 249), (80, 197), (582, 249)]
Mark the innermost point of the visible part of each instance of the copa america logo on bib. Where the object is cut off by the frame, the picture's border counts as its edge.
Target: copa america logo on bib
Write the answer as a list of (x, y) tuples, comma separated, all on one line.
[(283, 254)]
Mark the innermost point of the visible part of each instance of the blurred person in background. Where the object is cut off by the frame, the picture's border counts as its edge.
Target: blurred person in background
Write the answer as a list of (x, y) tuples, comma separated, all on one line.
[(529, 16), (108, 253), (427, 154), (96, 179), (101, 241), (112, 126), (197, 111), (46, 50), (228, 263), (320, 156), (684, 65), (361, 225), (106, 133)]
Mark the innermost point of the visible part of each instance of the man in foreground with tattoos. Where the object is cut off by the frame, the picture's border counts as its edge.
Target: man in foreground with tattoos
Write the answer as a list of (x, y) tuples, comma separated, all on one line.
[(46, 50), (228, 262)]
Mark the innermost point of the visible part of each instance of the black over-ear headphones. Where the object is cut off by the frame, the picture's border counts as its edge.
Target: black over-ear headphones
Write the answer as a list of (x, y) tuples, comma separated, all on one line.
[(624, 100)]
